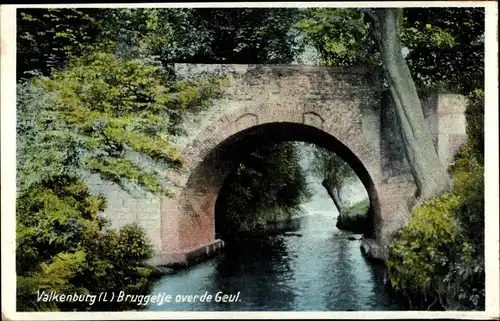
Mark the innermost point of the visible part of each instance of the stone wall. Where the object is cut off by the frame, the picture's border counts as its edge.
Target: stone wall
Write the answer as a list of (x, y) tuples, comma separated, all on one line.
[(124, 207), (446, 116)]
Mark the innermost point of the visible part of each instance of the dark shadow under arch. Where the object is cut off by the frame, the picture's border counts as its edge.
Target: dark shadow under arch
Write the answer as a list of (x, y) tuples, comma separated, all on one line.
[(209, 176)]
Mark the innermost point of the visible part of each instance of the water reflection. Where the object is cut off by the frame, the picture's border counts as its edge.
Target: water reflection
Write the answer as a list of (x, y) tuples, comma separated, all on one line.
[(262, 263), (316, 269)]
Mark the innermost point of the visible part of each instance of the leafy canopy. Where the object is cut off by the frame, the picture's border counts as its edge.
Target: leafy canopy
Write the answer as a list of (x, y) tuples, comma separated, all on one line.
[(443, 47), (112, 108)]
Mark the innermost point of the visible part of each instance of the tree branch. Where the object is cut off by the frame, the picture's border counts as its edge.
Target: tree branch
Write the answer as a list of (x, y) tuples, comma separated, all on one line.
[(370, 15), (374, 19)]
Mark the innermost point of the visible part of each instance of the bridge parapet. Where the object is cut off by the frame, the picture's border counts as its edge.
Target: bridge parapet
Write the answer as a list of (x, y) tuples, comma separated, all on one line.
[(352, 92)]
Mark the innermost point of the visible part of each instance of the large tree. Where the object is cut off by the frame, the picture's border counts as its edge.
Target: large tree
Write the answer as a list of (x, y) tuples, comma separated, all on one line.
[(429, 174), (443, 51)]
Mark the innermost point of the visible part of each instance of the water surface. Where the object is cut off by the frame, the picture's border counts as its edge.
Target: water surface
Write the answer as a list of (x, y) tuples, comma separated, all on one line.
[(316, 268)]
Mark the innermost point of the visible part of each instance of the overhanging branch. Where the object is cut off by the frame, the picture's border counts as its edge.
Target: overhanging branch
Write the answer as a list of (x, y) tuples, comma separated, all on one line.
[(371, 15), (374, 19)]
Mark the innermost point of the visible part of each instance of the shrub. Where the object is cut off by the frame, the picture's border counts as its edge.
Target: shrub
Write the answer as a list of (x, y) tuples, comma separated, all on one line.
[(475, 123), (85, 118), (62, 246), (468, 274), (439, 255), (116, 261), (100, 110), (459, 282), (423, 252)]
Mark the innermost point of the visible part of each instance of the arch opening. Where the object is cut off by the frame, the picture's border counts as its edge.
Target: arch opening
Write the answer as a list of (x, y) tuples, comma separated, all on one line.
[(209, 176)]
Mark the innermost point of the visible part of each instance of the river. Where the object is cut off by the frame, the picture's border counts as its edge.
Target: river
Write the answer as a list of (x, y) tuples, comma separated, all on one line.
[(316, 268)]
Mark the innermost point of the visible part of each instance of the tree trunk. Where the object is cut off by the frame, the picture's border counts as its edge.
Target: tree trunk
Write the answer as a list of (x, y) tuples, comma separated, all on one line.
[(429, 174), (334, 195)]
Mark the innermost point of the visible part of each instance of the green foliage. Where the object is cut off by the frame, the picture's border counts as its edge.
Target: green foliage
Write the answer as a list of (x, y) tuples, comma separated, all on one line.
[(267, 186), (342, 37), (120, 170), (52, 276), (460, 282), (99, 110), (101, 83), (440, 254), (62, 246), (446, 53), (470, 186), (236, 35), (86, 118), (116, 262), (333, 172), (446, 48), (475, 124), (46, 38), (470, 270), (421, 256)]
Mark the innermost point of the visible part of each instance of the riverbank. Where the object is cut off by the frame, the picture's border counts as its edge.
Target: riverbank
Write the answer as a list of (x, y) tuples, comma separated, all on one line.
[(355, 218), (290, 224)]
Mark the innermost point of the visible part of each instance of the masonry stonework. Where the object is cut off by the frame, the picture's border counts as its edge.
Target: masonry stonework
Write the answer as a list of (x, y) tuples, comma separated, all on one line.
[(345, 111)]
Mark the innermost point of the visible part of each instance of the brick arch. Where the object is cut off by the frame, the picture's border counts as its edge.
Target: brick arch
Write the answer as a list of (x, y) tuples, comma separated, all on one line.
[(189, 221), (224, 157)]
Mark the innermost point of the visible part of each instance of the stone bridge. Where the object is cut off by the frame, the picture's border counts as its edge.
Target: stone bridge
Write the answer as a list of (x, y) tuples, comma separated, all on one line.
[(345, 111)]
